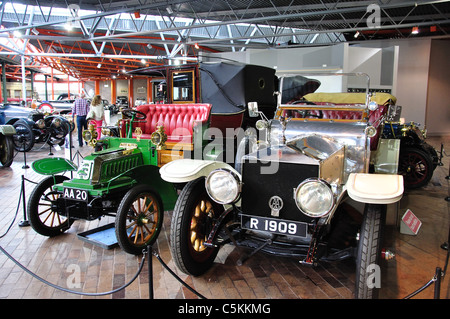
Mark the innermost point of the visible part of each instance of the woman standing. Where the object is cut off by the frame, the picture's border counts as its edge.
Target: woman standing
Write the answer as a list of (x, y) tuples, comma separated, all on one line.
[(97, 114)]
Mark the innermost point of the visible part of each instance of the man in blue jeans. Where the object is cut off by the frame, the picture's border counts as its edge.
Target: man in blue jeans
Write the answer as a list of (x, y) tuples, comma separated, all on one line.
[(80, 108)]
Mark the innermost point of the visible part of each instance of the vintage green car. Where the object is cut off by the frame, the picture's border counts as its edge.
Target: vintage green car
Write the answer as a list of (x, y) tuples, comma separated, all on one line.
[(121, 180)]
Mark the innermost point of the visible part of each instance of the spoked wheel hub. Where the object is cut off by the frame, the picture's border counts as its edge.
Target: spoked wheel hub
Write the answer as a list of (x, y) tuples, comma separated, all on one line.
[(139, 219), (142, 219), (199, 222), (194, 217), (416, 166)]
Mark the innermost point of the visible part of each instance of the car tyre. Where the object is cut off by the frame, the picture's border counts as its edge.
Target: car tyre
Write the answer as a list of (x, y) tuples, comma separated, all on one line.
[(139, 219), (369, 251), (193, 218), (24, 138), (6, 150), (42, 208), (416, 166)]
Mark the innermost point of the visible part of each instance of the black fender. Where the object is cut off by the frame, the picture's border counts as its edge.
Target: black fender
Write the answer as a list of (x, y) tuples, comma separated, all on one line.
[(15, 119)]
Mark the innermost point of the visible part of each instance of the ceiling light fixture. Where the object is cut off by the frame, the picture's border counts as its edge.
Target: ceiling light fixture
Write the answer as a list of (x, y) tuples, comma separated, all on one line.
[(415, 30), (68, 26)]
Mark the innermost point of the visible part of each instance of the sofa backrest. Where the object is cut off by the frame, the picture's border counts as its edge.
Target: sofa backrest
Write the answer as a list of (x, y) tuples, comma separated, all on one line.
[(178, 119)]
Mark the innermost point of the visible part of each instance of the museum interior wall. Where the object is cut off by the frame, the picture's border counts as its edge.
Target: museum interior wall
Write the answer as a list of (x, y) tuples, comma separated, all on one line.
[(438, 98)]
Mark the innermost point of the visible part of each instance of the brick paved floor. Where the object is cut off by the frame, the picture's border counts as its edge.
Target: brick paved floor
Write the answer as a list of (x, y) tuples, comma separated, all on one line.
[(69, 262)]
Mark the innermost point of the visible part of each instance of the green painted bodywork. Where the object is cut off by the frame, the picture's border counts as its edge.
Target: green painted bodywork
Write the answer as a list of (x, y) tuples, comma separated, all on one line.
[(53, 165), (124, 163)]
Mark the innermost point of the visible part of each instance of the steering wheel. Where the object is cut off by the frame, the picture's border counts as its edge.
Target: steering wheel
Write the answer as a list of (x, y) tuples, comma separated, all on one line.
[(134, 114)]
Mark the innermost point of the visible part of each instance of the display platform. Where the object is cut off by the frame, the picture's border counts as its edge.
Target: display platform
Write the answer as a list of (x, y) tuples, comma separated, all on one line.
[(103, 236)]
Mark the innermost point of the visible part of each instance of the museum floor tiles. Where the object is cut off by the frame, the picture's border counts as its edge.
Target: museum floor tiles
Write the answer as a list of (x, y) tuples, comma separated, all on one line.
[(78, 265)]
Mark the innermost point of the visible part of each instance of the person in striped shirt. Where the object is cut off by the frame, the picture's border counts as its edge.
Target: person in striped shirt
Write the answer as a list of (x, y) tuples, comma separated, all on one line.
[(80, 108)]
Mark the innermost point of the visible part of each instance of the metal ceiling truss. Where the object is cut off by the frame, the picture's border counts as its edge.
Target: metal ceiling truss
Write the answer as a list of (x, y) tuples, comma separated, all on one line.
[(118, 35)]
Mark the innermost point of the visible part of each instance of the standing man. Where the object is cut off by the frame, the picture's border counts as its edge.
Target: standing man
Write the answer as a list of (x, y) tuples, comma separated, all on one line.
[(80, 108)]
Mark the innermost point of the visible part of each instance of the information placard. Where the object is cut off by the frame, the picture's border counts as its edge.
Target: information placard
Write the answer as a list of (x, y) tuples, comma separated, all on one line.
[(410, 224)]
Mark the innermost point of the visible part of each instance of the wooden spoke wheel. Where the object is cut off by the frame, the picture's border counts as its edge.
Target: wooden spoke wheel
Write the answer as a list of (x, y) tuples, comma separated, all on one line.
[(43, 206), (139, 219), (193, 219)]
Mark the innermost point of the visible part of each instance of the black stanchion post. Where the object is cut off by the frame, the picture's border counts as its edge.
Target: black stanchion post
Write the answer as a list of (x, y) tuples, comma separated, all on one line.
[(448, 177), (25, 166), (437, 284), (150, 272), (24, 222), (50, 153)]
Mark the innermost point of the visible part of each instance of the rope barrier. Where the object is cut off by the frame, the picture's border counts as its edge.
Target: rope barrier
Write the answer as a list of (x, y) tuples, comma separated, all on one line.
[(175, 275), (436, 279), (73, 291), (145, 252)]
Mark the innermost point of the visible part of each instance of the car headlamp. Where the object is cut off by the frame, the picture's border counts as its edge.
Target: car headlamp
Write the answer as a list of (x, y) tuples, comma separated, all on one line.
[(89, 135), (40, 123), (159, 138), (223, 186), (261, 125), (314, 197), (106, 131), (373, 106), (56, 122)]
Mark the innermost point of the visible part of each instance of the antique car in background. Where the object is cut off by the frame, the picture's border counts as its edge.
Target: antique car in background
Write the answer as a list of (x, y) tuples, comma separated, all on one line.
[(302, 186), (39, 128), (121, 177), (418, 159), (112, 108), (122, 101), (62, 105), (33, 126)]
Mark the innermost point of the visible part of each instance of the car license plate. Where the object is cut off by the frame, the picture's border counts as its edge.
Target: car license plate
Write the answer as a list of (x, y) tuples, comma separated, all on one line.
[(75, 194), (277, 226)]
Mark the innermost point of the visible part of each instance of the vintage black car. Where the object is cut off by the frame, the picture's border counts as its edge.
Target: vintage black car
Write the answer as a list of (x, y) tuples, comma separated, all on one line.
[(33, 126), (122, 101), (418, 159), (302, 186), (62, 105)]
